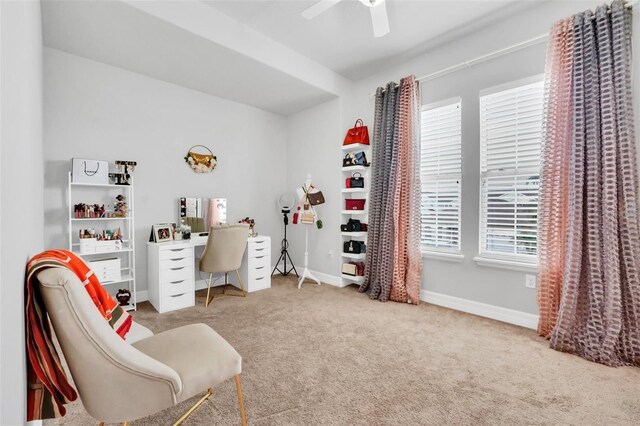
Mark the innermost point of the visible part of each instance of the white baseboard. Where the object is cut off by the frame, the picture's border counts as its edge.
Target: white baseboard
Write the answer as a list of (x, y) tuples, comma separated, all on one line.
[(522, 319), (141, 296), (328, 279)]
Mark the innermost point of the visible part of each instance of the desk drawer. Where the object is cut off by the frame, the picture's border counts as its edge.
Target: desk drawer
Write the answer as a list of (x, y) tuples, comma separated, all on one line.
[(258, 261), (176, 253), (259, 251), (178, 301), (173, 288), (176, 274), (258, 273), (177, 262)]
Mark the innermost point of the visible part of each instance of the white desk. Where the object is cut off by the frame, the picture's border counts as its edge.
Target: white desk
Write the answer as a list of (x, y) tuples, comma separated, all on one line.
[(173, 276)]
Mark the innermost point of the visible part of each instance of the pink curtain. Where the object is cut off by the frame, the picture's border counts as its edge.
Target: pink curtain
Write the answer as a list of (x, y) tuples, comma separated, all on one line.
[(553, 205), (589, 208), (405, 286)]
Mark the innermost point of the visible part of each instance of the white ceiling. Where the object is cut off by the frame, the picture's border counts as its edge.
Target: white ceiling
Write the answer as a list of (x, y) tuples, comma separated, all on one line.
[(260, 53), (114, 33), (342, 39)]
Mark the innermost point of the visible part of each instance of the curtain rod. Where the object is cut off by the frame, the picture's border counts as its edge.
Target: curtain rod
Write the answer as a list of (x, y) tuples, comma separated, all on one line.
[(483, 58), (495, 54)]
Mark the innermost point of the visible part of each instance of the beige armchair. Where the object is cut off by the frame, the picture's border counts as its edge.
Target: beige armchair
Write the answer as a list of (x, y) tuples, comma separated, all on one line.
[(120, 380), (225, 247)]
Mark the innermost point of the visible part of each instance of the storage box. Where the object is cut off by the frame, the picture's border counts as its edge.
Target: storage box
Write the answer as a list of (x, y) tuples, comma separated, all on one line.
[(92, 245), (107, 269), (89, 171)]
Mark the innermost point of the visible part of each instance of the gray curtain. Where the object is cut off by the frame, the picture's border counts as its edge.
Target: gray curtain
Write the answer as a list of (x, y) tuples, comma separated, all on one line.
[(599, 313), (380, 235)]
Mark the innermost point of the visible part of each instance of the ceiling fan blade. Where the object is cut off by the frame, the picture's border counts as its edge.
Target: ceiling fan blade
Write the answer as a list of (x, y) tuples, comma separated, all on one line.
[(318, 8), (379, 19)]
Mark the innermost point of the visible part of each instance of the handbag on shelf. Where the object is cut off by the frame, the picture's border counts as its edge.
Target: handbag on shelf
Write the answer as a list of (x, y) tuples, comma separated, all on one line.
[(359, 268), (355, 181), (355, 159), (359, 133), (349, 269), (315, 198), (353, 225), (354, 247), (355, 203)]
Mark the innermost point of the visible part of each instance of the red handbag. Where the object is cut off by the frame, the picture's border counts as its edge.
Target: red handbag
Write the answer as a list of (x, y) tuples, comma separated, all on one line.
[(358, 134), (355, 203)]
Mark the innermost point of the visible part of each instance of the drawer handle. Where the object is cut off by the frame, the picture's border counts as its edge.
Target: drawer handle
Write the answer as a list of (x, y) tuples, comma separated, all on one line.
[(178, 295), (258, 242), (260, 267), (258, 279), (177, 269), (177, 282), (178, 259), (259, 257), (259, 249), (176, 249)]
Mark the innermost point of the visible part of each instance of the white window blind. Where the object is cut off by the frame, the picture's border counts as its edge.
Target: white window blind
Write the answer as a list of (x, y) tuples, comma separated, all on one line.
[(441, 174), (510, 137)]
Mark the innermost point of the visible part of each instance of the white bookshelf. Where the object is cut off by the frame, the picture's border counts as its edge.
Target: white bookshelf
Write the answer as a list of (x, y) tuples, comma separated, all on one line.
[(105, 194), (361, 215)]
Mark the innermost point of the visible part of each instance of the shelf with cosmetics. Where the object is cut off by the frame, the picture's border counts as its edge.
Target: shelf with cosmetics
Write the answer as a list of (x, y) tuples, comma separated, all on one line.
[(354, 214), (101, 230)]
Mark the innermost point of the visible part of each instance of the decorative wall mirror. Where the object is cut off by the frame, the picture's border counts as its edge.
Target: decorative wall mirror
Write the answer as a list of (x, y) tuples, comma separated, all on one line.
[(202, 213), (201, 159)]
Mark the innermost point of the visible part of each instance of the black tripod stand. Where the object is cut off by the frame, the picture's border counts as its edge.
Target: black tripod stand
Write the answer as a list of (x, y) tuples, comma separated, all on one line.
[(284, 254)]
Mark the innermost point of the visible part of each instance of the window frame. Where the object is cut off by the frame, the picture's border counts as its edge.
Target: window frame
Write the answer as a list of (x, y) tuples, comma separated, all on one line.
[(434, 252), (487, 258)]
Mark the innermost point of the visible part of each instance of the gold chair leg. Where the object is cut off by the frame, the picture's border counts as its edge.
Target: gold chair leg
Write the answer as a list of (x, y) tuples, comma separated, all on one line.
[(243, 416), (101, 424), (206, 303), (193, 408), (244, 294), (125, 423), (226, 283)]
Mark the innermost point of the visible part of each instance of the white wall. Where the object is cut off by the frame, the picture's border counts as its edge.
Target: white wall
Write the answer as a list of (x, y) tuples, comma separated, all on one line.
[(311, 137), (493, 286), (21, 223), (92, 110)]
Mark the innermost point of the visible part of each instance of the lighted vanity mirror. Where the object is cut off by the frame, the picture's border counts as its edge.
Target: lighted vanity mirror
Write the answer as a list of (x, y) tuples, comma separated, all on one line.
[(202, 213)]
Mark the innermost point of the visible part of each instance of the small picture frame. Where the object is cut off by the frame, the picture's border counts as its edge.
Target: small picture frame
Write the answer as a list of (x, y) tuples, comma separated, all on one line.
[(162, 232)]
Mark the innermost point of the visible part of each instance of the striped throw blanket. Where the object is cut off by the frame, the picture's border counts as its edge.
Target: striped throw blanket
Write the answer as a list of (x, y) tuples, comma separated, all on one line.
[(48, 387)]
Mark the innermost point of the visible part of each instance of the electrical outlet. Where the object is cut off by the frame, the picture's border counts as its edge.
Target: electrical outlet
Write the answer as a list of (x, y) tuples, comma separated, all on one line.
[(530, 281), (331, 254)]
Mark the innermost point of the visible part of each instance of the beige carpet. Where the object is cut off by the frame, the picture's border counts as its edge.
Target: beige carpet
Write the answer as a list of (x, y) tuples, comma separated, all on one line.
[(329, 356)]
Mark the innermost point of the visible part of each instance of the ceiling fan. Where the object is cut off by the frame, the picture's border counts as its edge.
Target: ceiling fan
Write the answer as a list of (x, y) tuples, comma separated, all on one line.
[(378, 8)]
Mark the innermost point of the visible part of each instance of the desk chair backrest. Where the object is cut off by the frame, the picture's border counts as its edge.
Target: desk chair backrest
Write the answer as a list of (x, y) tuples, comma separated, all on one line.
[(225, 247)]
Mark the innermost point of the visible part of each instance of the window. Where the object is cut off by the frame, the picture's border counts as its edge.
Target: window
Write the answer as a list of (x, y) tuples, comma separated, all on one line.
[(510, 136), (441, 174)]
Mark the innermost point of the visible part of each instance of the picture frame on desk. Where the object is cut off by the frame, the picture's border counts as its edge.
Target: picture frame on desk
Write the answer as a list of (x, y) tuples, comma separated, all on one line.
[(162, 232)]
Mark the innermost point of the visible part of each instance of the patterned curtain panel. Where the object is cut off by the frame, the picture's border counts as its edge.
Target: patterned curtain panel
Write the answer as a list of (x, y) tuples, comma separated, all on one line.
[(598, 316), (394, 263)]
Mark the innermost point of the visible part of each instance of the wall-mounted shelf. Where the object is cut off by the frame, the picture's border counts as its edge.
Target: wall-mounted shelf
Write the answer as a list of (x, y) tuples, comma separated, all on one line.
[(355, 147), (361, 215), (352, 280), (353, 234), (355, 169), (354, 256)]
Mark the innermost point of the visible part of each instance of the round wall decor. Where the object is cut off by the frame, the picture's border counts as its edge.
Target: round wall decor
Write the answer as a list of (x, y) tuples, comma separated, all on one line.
[(201, 159)]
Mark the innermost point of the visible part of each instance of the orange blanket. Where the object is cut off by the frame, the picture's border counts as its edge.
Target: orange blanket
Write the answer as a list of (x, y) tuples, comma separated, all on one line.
[(48, 388)]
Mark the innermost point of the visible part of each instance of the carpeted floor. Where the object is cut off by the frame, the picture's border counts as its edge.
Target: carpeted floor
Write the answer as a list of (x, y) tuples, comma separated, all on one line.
[(328, 356)]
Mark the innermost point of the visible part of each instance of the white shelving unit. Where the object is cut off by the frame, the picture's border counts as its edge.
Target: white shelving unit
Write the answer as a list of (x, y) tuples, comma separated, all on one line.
[(361, 215), (105, 194)]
